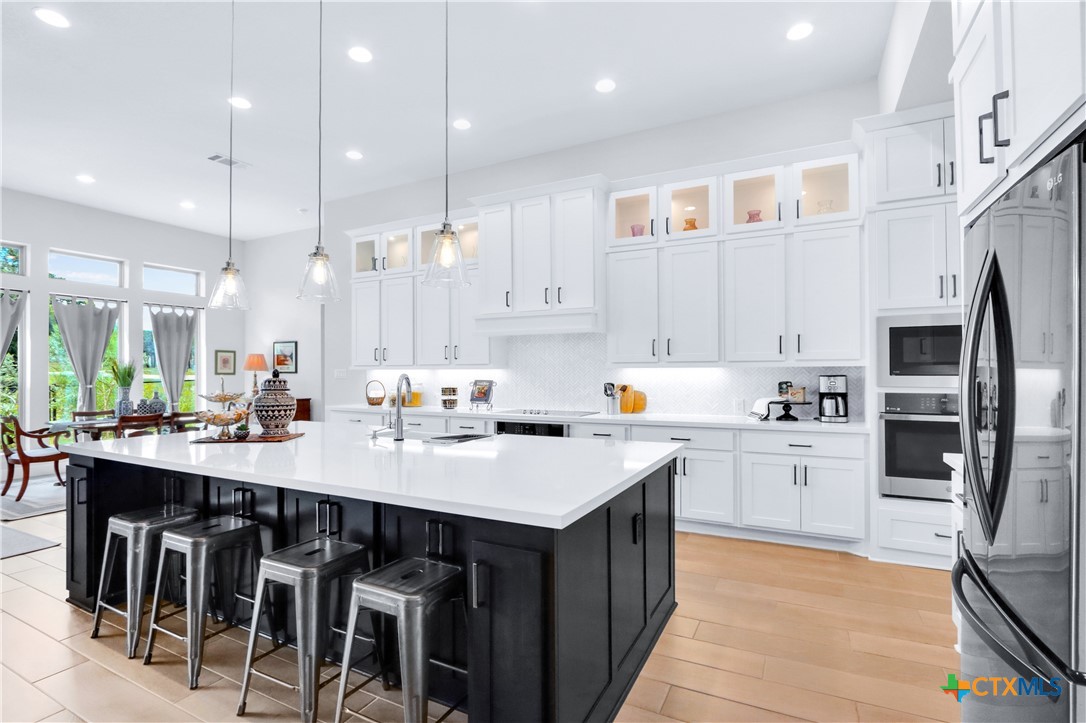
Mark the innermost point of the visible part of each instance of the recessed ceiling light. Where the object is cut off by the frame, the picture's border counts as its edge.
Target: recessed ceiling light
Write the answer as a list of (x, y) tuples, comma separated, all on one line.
[(460, 228), (187, 205), (239, 102), (52, 17), (359, 54), (605, 85), (354, 155), (461, 124), (84, 178), (799, 31), (691, 208)]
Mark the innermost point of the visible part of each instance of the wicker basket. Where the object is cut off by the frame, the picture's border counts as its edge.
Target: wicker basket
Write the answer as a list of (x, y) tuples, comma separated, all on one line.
[(375, 400)]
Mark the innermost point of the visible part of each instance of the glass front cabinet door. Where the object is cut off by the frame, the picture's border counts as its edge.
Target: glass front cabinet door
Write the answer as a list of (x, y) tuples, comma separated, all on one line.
[(396, 252), (754, 200), (825, 190), (467, 230), (631, 217), (367, 256), (690, 209)]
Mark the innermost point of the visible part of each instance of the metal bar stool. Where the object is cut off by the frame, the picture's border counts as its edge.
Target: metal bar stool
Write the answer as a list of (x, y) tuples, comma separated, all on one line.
[(200, 544), (407, 589), (141, 529), (309, 568)]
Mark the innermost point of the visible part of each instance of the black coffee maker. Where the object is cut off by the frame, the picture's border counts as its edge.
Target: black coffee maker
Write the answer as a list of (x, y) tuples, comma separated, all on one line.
[(833, 398)]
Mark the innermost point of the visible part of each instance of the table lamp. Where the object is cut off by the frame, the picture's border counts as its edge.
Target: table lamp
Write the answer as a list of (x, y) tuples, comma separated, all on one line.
[(255, 363)]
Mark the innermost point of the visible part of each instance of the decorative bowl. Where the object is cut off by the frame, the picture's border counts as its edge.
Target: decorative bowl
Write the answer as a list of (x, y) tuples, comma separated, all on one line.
[(223, 419), (223, 397)]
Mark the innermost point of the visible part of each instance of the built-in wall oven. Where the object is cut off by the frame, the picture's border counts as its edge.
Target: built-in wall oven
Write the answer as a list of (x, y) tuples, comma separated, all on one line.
[(919, 350), (917, 429)]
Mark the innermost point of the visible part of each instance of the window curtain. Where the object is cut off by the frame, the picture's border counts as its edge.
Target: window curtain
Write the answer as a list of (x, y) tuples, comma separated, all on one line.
[(12, 304), (85, 329), (173, 329)]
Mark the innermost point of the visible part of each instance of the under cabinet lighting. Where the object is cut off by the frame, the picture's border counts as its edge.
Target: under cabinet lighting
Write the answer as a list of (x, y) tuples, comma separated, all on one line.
[(51, 17), (799, 31)]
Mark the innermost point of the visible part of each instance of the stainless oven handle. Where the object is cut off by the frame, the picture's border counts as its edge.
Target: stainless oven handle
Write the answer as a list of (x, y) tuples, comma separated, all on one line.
[(920, 417)]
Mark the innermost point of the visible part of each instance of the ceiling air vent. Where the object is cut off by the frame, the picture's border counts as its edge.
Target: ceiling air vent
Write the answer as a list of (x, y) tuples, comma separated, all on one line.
[(228, 161)]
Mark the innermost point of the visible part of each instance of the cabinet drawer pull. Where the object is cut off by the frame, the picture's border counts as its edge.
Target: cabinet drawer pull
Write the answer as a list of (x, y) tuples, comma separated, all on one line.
[(681, 439), (980, 138), (996, 140), (414, 424), (1043, 456), (354, 420), (507, 299), (941, 536), (467, 426), (938, 175), (601, 434), (806, 446)]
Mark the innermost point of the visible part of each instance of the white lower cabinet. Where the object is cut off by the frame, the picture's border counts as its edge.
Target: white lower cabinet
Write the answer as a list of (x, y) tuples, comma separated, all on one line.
[(599, 431), (470, 426), (769, 488), (369, 419), (421, 423), (707, 486)]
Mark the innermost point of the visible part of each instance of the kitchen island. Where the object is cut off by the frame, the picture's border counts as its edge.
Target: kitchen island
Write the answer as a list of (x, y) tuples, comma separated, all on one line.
[(567, 544)]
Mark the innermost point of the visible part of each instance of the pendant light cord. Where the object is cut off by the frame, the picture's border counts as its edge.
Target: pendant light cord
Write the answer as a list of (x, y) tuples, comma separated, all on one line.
[(230, 152), (320, 116), (446, 111)]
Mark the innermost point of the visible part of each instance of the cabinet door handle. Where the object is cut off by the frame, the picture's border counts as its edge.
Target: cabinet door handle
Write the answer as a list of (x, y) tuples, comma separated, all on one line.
[(940, 286), (954, 286), (804, 475), (384, 354), (938, 175), (941, 536), (795, 473), (684, 466), (652, 227), (384, 263), (980, 138), (638, 527), (654, 348), (799, 343), (547, 296), (778, 210), (996, 140), (446, 352), (476, 572), (805, 446), (1044, 342), (797, 208), (951, 169), (507, 299), (667, 225), (237, 500), (456, 351), (376, 351), (780, 344), (430, 524), (559, 294), (601, 434), (80, 487), (669, 346), (322, 529)]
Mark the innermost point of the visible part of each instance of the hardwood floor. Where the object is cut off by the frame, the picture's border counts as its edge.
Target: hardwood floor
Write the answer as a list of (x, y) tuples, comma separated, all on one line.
[(763, 632), (768, 632)]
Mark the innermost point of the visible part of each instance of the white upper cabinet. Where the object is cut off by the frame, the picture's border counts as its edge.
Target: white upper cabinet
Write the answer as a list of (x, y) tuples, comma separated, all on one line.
[(574, 273), (754, 299), (690, 209), (918, 257), (690, 303), (1044, 59), (532, 254), (397, 322), (826, 190), (433, 344), (495, 241), (631, 217), (975, 76), (366, 325), (632, 306), (913, 161), (754, 200), (470, 348), (824, 295)]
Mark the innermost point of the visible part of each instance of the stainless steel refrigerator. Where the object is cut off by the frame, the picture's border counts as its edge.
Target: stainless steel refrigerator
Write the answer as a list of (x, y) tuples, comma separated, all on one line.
[(1018, 581)]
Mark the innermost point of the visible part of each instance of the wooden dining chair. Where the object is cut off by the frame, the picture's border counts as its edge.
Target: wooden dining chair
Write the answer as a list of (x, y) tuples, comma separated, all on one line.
[(138, 425), (184, 422), (95, 433), (18, 450)]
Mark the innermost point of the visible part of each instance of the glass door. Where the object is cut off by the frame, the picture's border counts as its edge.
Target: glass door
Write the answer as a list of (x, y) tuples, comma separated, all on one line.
[(396, 253), (366, 256), (632, 217), (753, 200), (826, 190), (690, 209), (467, 230)]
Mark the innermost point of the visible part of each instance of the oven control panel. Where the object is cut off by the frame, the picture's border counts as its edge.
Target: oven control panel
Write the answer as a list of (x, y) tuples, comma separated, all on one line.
[(919, 403)]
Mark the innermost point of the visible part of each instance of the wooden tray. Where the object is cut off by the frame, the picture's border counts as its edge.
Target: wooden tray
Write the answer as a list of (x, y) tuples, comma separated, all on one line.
[(250, 438)]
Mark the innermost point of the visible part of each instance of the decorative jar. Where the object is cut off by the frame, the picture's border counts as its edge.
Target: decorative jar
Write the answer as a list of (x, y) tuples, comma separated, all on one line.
[(274, 407)]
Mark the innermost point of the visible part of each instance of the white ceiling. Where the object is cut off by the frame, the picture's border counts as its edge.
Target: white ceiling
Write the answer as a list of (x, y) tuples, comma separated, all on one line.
[(134, 94)]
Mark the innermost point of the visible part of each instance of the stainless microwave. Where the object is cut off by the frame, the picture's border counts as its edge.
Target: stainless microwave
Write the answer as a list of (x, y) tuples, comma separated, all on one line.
[(919, 350)]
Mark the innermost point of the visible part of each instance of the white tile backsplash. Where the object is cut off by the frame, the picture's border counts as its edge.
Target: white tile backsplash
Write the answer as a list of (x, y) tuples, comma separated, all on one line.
[(568, 372)]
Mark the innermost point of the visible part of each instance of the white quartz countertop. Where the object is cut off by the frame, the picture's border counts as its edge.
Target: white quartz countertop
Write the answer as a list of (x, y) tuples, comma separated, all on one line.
[(541, 481), (663, 420)]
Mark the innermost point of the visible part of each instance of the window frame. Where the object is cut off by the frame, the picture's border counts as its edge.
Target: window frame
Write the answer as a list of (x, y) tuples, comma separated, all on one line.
[(122, 268), (198, 277)]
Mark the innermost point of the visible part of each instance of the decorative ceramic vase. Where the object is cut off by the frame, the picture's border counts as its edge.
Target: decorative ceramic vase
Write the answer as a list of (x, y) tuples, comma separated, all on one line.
[(241, 434), (142, 406), (691, 224), (156, 404), (754, 215), (274, 407), (637, 229), (825, 206), (124, 401)]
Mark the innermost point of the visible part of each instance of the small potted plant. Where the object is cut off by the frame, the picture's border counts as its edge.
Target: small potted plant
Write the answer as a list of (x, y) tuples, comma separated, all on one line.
[(241, 431), (124, 375)]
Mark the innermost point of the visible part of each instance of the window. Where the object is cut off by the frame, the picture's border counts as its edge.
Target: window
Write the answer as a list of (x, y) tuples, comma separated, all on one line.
[(63, 386), (84, 269), (12, 259), (9, 379), (152, 375), (174, 281)]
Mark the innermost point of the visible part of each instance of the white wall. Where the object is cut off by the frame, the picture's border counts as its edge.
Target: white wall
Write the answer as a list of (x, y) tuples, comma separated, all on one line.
[(799, 122), (917, 57), (41, 223)]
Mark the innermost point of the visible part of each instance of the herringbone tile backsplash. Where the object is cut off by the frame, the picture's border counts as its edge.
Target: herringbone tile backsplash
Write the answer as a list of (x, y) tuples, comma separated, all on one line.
[(568, 372)]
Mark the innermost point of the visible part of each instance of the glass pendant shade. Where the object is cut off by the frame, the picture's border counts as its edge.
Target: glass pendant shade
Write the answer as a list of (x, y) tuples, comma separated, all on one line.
[(447, 263), (319, 281), (229, 292)]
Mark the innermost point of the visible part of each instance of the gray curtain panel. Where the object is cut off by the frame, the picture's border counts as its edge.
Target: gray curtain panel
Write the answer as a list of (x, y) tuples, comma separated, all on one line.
[(174, 329), (85, 330), (11, 307)]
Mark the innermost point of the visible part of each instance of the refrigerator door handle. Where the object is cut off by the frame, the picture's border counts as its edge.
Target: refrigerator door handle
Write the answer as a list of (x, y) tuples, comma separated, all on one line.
[(966, 566)]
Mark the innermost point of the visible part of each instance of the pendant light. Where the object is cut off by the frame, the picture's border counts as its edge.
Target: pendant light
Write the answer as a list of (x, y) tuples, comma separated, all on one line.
[(319, 281), (447, 262), (229, 292)]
